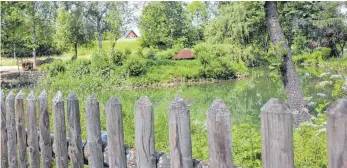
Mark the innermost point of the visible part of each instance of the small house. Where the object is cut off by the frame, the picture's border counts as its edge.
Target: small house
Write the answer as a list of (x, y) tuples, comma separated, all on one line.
[(183, 54), (132, 34)]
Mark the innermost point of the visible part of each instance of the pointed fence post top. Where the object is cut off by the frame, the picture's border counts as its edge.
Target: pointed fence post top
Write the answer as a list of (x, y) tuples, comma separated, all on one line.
[(10, 95), (143, 101), (339, 107), (178, 103), (218, 107), (31, 96), (20, 95), (113, 100), (58, 97), (92, 99), (178, 98), (43, 95), (275, 105), (72, 96)]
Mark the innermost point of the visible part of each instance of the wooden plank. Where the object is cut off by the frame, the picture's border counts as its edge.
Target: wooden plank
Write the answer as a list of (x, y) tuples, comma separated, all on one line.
[(21, 134), (95, 158), (44, 127), (3, 133), (337, 134), (144, 134), (75, 145), (33, 141), (180, 135), (11, 131), (219, 135), (60, 145), (115, 139), (277, 135)]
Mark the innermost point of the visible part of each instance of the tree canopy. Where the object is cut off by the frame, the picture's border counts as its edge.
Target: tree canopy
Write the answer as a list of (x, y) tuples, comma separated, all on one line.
[(45, 28)]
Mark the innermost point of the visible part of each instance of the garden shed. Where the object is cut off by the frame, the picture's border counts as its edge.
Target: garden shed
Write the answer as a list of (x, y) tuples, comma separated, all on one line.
[(132, 34), (184, 54)]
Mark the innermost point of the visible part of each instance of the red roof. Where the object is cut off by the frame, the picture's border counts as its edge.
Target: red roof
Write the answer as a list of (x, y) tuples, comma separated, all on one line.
[(184, 54)]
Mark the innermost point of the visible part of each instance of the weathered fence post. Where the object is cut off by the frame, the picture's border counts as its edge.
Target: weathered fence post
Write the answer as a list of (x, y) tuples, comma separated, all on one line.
[(114, 124), (94, 143), (45, 136), (75, 144), (277, 135), (33, 141), (3, 134), (144, 134), (21, 134), (11, 131), (180, 135), (337, 134), (219, 135), (60, 145)]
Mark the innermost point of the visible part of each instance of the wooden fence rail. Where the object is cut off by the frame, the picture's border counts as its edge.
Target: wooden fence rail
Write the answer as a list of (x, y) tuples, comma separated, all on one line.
[(276, 130)]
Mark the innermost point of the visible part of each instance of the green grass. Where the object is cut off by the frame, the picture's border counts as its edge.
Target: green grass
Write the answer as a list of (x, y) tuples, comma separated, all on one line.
[(83, 52), (241, 97), (335, 62)]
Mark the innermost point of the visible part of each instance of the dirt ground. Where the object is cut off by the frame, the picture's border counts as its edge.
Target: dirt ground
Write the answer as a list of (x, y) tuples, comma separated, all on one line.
[(9, 69)]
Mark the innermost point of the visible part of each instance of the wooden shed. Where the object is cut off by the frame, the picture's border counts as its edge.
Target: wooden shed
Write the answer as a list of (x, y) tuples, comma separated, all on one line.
[(184, 54), (132, 34)]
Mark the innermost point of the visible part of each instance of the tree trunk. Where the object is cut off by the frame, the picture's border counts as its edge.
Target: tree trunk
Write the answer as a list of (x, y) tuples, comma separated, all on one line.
[(113, 45), (14, 51), (342, 45), (34, 36), (99, 35), (290, 78), (75, 46)]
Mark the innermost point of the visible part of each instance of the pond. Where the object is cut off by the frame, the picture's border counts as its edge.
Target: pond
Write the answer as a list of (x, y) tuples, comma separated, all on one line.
[(243, 97)]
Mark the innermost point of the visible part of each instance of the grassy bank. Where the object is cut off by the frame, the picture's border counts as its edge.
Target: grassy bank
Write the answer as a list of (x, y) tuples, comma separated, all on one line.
[(321, 58), (84, 52)]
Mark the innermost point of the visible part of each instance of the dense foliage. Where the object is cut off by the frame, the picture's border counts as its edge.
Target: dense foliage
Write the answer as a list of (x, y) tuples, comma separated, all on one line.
[(227, 38), (163, 23)]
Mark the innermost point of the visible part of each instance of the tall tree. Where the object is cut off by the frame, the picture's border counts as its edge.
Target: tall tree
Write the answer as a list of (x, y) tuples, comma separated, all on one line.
[(96, 12), (114, 25), (322, 22), (290, 78), (198, 14), (164, 23), (238, 22), (40, 17), (14, 35), (72, 28)]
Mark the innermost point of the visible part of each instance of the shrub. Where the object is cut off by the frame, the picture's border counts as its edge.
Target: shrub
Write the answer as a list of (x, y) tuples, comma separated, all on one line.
[(80, 67), (310, 146), (127, 52), (135, 65), (166, 54), (338, 89), (299, 59), (325, 52), (117, 58), (149, 53), (240, 67), (101, 63), (314, 58), (53, 69), (217, 61)]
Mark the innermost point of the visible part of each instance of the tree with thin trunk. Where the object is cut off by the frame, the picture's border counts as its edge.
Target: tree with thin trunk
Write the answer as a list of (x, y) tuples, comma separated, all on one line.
[(72, 30), (33, 33), (290, 78), (96, 12)]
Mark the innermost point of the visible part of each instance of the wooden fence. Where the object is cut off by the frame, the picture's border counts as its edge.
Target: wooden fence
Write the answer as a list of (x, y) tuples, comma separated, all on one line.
[(276, 129)]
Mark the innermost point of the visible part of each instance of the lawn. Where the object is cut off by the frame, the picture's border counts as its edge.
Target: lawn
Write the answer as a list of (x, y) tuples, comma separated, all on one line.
[(83, 51)]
